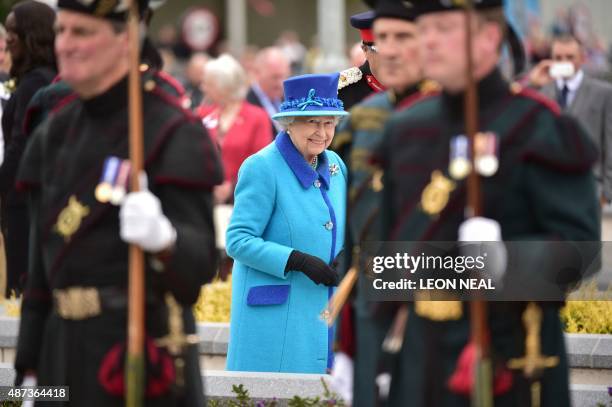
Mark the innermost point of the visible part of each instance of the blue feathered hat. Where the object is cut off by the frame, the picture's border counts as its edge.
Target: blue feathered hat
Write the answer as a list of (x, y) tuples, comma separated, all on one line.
[(311, 95)]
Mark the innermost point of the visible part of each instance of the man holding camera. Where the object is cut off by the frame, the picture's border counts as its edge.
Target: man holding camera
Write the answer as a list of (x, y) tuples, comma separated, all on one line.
[(587, 99)]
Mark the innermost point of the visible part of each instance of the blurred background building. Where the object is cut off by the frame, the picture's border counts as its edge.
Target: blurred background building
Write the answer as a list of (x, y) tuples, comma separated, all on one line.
[(316, 35)]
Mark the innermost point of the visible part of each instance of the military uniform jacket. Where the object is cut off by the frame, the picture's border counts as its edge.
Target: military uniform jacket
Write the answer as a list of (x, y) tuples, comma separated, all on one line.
[(355, 84), (357, 140), (61, 168), (359, 137), (543, 190)]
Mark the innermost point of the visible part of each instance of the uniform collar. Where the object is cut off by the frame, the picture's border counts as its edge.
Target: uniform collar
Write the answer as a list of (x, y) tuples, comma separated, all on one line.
[(397, 97), (490, 88), (111, 101), (365, 68), (302, 170), (374, 84)]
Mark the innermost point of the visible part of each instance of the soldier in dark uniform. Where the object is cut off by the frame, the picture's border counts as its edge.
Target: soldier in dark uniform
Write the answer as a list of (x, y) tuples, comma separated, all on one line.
[(362, 329), (357, 83), (74, 310), (542, 189)]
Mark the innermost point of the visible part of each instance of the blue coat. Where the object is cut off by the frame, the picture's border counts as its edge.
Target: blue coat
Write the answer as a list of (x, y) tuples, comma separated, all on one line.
[(282, 204)]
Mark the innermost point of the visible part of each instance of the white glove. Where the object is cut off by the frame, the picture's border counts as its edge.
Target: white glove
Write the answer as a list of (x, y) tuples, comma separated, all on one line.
[(142, 222), (383, 381), (342, 377), (28, 381), (479, 229)]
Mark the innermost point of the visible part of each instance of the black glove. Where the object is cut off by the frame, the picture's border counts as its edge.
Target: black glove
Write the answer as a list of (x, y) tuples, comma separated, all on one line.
[(339, 262), (314, 268)]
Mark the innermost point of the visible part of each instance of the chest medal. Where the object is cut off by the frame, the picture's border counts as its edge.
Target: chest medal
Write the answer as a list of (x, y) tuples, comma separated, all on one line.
[(69, 219), (486, 146), (435, 196)]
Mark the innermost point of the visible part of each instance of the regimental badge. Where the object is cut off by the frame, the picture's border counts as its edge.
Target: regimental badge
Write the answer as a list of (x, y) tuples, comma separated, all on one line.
[(69, 219), (435, 195), (334, 169), (104, 7)]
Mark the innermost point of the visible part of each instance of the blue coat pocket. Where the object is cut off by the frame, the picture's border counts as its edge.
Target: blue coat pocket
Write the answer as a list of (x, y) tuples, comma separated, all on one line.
[(268, 295)]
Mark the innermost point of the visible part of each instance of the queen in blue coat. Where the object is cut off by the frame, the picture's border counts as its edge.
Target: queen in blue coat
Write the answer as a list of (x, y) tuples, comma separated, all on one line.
[(285, 232)]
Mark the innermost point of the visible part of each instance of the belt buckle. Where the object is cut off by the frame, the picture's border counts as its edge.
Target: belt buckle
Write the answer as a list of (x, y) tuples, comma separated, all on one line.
[(78, 303), (437, 307)]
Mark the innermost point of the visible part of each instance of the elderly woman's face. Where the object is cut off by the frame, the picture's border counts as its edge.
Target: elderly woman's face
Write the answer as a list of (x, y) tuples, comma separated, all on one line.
[(312, 135)]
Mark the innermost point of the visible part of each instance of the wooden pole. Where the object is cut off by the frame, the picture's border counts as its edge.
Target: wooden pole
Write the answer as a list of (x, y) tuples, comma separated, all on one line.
[(136, 284), (482, 393)]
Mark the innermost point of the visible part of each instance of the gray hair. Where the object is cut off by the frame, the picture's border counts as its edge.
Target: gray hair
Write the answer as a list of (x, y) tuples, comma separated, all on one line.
[(2, 32), (229, 75), (284, 122)]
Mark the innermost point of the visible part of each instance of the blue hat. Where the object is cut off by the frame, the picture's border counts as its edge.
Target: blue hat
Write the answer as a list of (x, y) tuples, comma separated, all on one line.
[(311, 95)]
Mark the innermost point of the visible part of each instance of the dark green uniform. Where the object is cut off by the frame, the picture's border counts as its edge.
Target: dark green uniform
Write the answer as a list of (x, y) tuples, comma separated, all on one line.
[(76, 243), (358, 137), (543, 190)]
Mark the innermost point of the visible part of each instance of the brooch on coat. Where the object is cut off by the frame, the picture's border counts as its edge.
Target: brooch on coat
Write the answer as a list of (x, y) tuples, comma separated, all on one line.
[(334, 169)]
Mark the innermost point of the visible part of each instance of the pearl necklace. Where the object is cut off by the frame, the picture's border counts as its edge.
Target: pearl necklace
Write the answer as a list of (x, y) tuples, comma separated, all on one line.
[(314, 162)]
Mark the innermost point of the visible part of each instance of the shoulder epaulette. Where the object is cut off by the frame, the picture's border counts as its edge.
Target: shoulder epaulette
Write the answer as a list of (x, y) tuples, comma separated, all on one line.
[(429, 87), (415, 98), (65, 101), (520, 90), (172, 81), (166, 87), (349, 76)]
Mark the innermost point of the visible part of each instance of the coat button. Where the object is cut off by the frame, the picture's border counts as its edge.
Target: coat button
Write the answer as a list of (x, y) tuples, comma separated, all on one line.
[(329, 225), (317, 184), (325, 315)]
